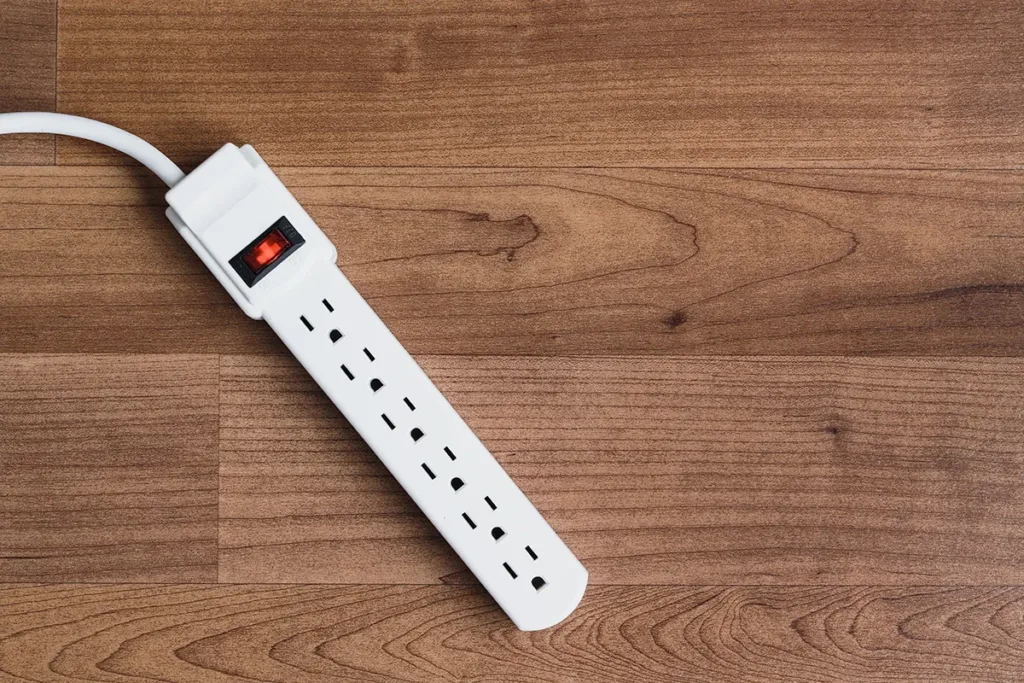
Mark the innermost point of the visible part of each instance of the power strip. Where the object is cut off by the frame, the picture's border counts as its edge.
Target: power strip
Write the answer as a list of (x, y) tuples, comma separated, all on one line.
[(278, 265)]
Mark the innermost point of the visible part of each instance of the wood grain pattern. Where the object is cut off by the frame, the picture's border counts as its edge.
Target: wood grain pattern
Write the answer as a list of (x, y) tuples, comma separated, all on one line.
[(732, 289), (657, 471), (505, 261), (28, 74), (108, 468), (520, 83), (444, 633)]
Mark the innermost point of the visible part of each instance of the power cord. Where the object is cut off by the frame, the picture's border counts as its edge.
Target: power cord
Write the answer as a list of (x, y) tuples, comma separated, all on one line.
[(103, 133)]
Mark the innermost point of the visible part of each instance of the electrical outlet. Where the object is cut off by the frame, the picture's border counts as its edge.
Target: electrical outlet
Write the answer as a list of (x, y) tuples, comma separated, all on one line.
[(420, 438)]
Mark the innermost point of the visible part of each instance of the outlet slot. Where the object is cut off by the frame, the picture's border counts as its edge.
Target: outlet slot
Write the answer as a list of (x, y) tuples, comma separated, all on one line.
[(416, 434), (387, 421), (490, 503), (409, 403), (538, 582), (335, 336), (368, 354), (427, 470), (511, 572), (470, 522), (376, 385), (348, 373), (328, 306), (457, 484), (449, 452), (306, 323), (497, 532), (530, 551)]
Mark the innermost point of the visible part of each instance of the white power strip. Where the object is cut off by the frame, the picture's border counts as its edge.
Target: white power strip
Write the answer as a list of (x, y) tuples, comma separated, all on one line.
[(278, 265)]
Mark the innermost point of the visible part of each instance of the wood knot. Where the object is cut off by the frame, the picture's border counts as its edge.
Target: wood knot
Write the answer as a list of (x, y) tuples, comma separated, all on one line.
[(675, 320)]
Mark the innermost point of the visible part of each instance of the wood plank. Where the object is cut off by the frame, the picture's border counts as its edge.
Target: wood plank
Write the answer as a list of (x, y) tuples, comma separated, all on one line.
[(858, 83), (108, 468), (506, 261), (28, 74), (655, 471), (445, 633)]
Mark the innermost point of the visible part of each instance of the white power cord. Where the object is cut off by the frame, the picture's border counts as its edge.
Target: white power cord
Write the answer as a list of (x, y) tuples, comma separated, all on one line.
[(88, 129)]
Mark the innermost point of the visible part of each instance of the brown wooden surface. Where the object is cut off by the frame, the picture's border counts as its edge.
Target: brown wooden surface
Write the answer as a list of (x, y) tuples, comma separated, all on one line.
[(620, 634), (656, 471), (503, 261), (742, 83), (733, 290), (110, 468), (28, 76)]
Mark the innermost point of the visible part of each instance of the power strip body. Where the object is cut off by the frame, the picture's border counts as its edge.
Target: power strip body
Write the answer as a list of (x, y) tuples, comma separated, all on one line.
[(226, 206)]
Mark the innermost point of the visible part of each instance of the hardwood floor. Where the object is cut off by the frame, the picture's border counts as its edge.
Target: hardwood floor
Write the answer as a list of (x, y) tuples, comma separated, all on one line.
[(708, 634), (110, 468), (551, 262), (655, 471), (521, 83), (732, 290), (28, 74)]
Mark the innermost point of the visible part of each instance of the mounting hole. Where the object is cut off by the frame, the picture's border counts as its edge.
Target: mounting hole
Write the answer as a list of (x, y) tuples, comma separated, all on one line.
[(538, 582), (376, 385), (497, 532), (335, 336), (457, 484), (416, 434)]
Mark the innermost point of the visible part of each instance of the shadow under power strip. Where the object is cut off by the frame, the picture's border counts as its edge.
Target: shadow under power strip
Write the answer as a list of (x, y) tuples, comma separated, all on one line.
[(277, 265)]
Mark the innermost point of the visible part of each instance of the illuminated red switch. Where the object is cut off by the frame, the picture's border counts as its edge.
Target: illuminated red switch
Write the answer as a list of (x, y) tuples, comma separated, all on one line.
[(266, 251)]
